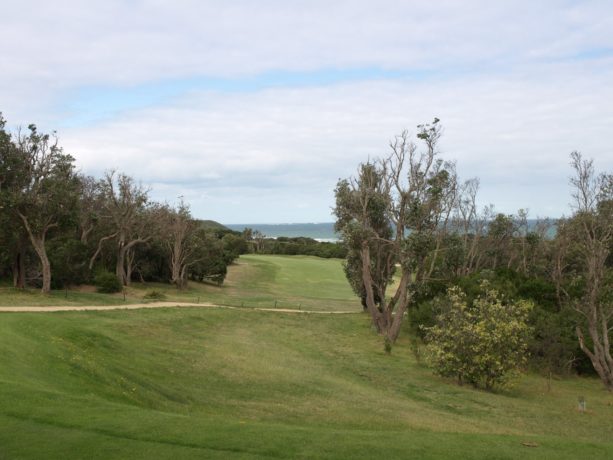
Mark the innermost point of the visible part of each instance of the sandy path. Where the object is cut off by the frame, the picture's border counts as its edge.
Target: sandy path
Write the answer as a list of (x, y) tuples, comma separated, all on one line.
[(132, 306), (136, 306)]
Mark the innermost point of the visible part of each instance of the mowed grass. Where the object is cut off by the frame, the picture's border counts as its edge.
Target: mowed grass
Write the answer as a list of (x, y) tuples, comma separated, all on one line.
[(288, 281), (241, 383), (253, 281), (224, 383)]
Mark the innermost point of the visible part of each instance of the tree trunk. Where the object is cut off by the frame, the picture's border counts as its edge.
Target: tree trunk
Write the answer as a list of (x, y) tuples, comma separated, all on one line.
[(123, 258), (85, 233), (38, 242), (39, 247), (176, 266), (130, 265), (400, 304), (598, 356), (19, 268), (120, 266), (378, 318)]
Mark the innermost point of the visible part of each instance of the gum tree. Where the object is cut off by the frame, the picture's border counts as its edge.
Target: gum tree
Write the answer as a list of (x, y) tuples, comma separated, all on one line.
[(389, 215), (44, 192), (592, 236), (179, 233), (125, 215)]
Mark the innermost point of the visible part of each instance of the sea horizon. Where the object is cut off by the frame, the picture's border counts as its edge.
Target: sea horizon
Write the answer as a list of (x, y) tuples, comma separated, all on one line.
[(321, 231)]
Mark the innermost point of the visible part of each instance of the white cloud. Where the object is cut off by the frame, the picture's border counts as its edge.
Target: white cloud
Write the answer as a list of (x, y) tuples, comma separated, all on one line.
[(515, 83), (70, 42), (514, 132)]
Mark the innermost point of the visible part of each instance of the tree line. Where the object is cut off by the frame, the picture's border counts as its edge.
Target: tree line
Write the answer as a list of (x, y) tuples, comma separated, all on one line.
[(59, 227), (419, 244), (258, 243)]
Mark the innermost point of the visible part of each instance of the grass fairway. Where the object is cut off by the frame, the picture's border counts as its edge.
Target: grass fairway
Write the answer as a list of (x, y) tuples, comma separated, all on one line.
[(254, 281), (219, 383), (223, 383)]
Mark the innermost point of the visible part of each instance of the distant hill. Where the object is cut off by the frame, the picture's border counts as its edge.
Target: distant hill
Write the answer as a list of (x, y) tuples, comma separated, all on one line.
[(212, 225)]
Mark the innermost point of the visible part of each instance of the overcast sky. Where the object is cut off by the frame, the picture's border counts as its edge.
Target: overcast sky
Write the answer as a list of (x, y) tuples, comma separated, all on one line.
[(252, 110)]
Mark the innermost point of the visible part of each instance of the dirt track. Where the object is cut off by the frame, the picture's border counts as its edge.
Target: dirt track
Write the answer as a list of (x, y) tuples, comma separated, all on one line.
[(136, 306)]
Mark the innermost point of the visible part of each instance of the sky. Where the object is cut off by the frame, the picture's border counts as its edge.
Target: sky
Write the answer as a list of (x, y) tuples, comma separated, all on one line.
[(252, 111)]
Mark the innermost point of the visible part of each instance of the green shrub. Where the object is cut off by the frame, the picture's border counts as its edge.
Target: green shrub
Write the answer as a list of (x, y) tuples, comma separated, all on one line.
[(107, 282), (482, 342)]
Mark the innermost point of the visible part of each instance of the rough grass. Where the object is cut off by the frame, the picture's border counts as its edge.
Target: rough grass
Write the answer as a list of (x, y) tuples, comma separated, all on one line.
[(218, 383)]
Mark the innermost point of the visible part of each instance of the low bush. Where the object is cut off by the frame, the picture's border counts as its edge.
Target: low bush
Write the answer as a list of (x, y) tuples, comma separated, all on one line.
[(107, 283)]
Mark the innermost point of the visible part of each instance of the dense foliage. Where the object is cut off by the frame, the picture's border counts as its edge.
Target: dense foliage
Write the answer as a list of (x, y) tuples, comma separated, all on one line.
[(60, 228), (292, 246), (389, 216), (479, 342), (442, 239)]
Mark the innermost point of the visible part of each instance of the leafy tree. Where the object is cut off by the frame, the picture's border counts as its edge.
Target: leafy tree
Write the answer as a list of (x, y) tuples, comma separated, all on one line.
[(479, 343), (553, 347), (124, 213), (41, 190), (90, 205), (391, 214), (68, 257), (234, 245), (366, 196), (212, 258), (180, 236), (13, 237)]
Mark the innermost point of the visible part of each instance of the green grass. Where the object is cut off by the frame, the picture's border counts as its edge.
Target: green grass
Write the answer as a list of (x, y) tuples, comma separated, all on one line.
[(227, 383), (290, 281), (254, 281), (218, 383)]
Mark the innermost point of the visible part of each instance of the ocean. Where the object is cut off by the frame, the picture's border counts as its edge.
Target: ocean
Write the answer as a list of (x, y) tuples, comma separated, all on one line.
[(321, 231)]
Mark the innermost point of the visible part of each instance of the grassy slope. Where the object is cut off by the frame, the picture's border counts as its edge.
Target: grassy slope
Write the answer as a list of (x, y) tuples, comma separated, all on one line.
[(217, 383), (291, 281), (193, 383)]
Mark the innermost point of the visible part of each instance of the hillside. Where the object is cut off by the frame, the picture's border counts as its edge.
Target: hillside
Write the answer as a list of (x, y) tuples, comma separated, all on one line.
[(240, 383), (212, 225)]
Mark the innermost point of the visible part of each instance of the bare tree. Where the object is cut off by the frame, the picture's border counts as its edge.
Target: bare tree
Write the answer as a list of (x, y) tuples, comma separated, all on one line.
[(471, 225), (592, 226)]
